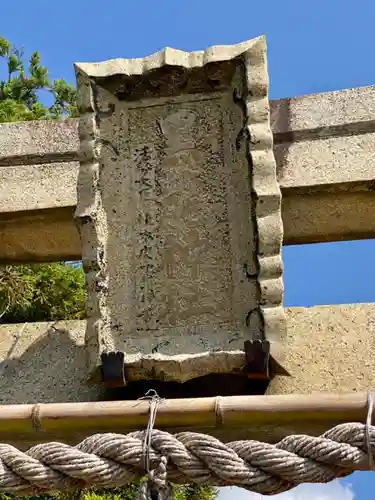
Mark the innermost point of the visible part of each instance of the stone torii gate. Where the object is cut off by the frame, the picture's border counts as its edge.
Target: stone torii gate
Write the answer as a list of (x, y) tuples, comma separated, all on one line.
[(188, 180)]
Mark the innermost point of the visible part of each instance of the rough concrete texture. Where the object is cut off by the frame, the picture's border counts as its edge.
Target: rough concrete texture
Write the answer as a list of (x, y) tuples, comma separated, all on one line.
[(25, 141), (330, 349), (181, 251), (38, 175), (332, 162), (38, 165), (351, 216), (39, 236), (323, 148), (346, 109), (38, 187), (43, 361)]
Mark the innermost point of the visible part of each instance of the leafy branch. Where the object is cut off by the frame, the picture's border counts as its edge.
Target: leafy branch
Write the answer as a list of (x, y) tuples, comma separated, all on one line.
[(19, 99)]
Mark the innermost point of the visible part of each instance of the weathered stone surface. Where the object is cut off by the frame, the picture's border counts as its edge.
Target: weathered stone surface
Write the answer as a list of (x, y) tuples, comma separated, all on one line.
[(38, 166), (324, 114), (38, 175), (181, 247), (323, 148), (43, 361), (330, 349)]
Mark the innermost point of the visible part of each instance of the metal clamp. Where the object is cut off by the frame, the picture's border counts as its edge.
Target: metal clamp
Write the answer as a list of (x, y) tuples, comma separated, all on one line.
[(257, 354), (113, 369)]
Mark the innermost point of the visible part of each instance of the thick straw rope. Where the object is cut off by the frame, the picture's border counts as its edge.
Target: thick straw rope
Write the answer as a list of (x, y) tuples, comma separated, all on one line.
[(108, 460)]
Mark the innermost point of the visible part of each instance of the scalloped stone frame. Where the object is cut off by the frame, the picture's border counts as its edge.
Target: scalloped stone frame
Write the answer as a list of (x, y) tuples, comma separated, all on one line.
[(179, 210)]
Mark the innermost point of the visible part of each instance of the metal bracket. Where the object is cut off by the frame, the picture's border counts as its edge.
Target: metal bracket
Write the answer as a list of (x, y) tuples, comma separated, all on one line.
[(257, 354), (113, 369)]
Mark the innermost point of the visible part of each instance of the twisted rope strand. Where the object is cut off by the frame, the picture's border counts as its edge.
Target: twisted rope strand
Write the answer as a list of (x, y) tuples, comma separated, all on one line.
[(156, 485), (109, 460)]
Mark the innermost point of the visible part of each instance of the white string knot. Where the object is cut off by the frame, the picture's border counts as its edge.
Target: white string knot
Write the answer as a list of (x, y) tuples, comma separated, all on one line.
[(156, 487)]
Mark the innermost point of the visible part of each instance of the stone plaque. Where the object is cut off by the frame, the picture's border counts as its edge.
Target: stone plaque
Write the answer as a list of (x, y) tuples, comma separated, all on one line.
[(179, 209)]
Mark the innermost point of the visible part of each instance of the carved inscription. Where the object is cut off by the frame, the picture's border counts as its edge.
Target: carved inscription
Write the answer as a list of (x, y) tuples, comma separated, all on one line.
[(146, 243), (189, 257)]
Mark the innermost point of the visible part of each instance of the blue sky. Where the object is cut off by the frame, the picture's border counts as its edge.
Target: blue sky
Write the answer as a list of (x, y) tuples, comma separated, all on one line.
[(313, 46)]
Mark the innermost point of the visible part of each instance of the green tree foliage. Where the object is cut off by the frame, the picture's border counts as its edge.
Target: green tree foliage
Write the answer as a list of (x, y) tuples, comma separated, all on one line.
[(50, 292), (47, 292), (190, 492), (19, 90), (36, 292), (127, 493)]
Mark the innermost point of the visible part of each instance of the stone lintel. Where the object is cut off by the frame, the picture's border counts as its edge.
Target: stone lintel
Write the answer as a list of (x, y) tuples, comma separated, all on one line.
[(323, 144)]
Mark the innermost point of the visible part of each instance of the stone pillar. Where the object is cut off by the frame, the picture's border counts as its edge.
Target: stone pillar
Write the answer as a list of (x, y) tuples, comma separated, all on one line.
[(179, 209)]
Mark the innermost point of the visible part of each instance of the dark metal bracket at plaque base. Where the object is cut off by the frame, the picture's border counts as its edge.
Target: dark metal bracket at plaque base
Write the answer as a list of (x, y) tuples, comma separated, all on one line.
[(113, 369), (257, 367), (257, 354)]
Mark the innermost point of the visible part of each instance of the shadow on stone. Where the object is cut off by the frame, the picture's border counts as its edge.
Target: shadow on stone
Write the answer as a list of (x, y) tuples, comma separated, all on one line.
[(52, 368), (212, 385)]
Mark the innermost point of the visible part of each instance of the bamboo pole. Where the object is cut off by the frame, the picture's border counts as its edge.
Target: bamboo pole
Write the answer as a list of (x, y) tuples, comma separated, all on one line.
[(287, 411)]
